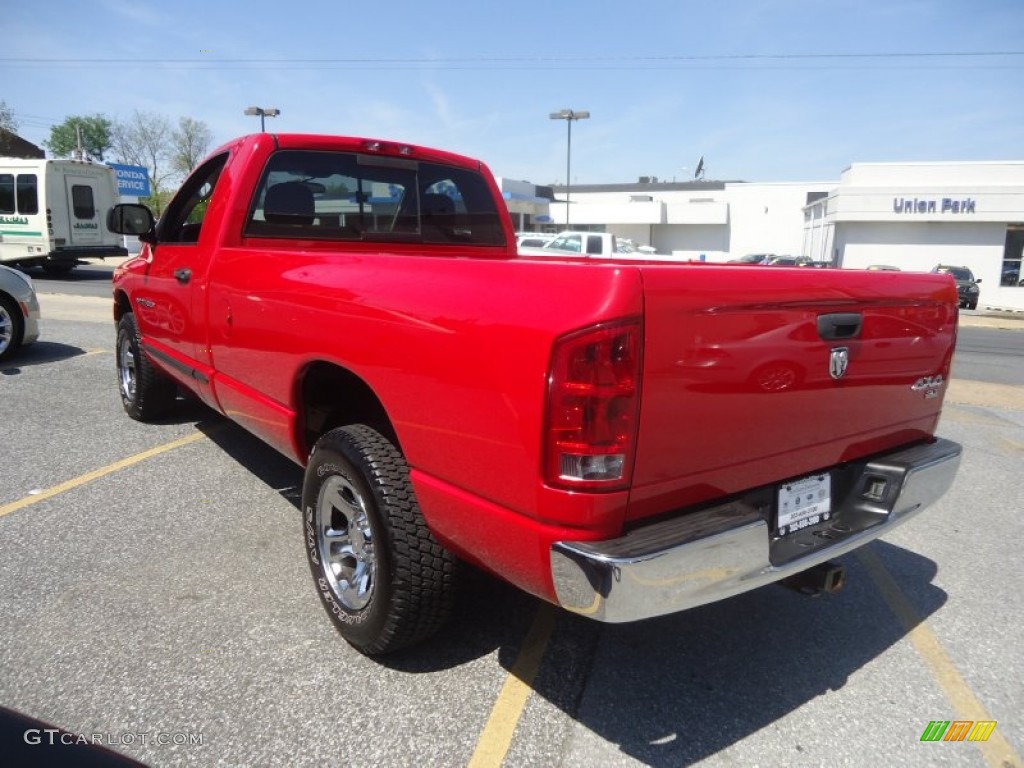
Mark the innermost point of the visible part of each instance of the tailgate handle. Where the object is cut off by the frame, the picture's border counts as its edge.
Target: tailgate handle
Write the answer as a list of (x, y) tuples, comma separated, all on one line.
[(839, 325)]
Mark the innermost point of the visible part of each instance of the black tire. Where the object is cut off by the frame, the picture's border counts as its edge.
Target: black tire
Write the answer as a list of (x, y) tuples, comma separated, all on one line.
[(973, 305), (58, 268), (11, 326), (383, 578), (145, 393)]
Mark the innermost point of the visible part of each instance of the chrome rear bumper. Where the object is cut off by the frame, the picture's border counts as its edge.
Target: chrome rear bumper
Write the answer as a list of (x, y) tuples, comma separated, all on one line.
[(715, 553)]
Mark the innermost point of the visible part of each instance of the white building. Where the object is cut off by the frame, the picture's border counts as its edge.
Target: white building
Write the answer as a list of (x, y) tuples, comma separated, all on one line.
[(711, 219), (913, 216)]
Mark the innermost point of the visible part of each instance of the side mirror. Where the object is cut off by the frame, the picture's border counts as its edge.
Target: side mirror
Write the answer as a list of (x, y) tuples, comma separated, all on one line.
[(978, 280), (131, 219)]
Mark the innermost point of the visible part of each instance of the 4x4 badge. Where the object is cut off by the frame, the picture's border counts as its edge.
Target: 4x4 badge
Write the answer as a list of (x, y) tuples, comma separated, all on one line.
[(838, 361)]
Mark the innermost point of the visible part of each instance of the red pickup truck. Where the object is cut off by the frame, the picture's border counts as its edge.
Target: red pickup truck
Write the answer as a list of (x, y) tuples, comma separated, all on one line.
[(624, 439)]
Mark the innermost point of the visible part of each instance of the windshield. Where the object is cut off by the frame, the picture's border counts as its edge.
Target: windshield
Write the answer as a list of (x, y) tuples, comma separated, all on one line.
[(572, 243), (958, 273)]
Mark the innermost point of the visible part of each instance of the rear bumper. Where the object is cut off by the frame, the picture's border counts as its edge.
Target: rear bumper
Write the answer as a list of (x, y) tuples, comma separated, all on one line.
[(719, 552)]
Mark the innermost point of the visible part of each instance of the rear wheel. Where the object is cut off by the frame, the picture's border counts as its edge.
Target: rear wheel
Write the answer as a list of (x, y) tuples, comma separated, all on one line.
[(383, 578), (57, 268), (145, 393), (11, 326), (973, 305)]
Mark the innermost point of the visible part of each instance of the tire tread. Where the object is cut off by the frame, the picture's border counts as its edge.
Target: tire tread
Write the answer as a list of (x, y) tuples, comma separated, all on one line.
[(154, 394), (423, 579)]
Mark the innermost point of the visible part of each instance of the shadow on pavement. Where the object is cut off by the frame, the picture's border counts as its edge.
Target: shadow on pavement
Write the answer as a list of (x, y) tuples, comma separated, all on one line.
[(669, 691), (489, 613), (83, 273), (675, 690), (39, 353)]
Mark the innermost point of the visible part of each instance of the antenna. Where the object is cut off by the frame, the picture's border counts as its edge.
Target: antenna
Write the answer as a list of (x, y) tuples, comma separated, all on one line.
[(699, 173)]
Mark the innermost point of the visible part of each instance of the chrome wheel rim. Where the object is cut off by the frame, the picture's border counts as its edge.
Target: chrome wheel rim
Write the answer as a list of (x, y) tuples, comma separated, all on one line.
[(345, 542), (126, 372), (6, 329)]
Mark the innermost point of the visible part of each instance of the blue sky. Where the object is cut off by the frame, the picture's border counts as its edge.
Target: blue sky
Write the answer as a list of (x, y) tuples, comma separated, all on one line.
[(765, 90)]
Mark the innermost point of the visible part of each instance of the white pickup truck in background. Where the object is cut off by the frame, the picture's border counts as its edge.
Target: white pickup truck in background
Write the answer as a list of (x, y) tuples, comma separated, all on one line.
[(599, 245)]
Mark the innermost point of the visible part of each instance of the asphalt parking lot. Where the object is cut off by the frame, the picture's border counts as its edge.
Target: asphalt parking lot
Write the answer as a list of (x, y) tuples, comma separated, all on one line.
[(155, 593)]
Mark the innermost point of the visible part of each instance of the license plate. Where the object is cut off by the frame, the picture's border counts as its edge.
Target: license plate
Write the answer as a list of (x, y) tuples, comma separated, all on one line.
[(804, 502)]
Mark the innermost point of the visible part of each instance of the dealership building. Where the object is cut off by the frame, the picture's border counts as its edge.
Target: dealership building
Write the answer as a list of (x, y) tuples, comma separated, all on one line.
[(912, 216)]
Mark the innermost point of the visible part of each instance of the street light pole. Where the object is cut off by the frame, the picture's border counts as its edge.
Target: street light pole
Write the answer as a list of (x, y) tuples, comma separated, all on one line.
[(568, 115), (263, 112)]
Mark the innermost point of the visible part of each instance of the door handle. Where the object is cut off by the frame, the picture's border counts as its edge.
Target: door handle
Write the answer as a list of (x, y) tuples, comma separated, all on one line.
[(839, 325), (183, 275)]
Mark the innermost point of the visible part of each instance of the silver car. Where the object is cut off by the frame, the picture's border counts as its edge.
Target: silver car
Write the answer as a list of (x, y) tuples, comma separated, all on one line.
[(19, 311)]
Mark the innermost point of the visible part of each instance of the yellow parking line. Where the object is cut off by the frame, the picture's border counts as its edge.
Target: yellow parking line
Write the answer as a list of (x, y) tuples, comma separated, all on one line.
[(496, 738), (997, 751), (88, 477)]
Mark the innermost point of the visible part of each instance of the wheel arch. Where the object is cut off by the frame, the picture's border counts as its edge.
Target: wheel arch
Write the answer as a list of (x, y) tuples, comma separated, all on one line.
[(330, 396), (121, 305)]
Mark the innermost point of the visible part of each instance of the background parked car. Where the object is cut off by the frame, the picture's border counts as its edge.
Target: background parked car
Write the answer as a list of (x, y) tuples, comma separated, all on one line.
[(790, 261), (19, 311), (966, 285), (753, 258)]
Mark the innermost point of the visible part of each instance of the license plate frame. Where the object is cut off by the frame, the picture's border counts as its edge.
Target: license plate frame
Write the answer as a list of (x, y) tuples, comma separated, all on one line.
[(803, 502)]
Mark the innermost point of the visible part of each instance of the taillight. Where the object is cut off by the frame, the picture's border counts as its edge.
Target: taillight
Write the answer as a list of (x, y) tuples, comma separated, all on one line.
[(593, 407)]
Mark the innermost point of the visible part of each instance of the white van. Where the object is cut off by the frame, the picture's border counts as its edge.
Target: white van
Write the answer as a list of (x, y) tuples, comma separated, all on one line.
[(54, 212)]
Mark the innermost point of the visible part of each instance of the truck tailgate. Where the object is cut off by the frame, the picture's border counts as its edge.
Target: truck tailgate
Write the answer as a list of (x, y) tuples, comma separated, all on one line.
[(746, 381)]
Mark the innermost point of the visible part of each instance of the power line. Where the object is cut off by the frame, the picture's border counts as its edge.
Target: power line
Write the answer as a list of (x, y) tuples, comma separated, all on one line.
[(737, 60)]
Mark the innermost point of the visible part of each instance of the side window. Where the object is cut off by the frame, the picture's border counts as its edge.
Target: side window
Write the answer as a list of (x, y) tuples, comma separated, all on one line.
[(81, 201), (6, 193), (570, 243), (322, 195), (594, 244), (183, 220), (28, 196)]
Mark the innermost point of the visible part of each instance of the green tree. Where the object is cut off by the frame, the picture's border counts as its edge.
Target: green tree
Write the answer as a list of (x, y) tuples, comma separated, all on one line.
[(95, 131)]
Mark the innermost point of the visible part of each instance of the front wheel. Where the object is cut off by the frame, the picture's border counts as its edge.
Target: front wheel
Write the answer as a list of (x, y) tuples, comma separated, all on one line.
[(145, 393), (383, 578)]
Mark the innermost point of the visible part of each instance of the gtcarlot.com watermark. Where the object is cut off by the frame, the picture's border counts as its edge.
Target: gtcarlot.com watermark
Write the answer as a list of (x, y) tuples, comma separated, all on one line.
[(54, 737)]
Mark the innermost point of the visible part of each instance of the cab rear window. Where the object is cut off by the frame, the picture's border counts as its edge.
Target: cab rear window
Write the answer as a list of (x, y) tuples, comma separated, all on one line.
[(321, 195)]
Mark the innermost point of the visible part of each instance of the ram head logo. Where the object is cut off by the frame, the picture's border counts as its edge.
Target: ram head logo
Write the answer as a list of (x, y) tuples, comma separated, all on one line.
[(838, 361)]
